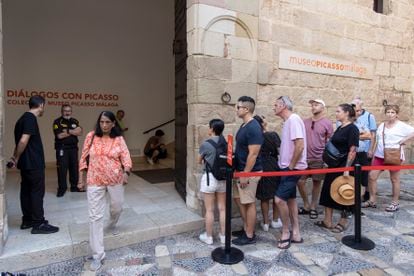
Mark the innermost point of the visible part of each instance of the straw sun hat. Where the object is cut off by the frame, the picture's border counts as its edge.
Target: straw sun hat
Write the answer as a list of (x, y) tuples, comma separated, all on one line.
[(342, 190)]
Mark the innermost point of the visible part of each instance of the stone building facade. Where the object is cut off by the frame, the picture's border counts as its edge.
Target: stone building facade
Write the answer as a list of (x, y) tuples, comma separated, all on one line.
[(237, 46)]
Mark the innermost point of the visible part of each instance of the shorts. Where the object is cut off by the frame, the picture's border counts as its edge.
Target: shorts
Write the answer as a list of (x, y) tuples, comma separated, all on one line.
[(314, 164), (248, 194), (215, 186), (287, 186), (378, 161)]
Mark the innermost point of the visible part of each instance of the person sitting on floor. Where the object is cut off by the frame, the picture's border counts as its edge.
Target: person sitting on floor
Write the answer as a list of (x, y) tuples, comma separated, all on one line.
[(154, 149)]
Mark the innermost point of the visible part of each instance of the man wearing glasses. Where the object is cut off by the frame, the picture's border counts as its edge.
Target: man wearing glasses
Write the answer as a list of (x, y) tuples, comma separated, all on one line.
[(318, 131), (67, 130), (292, 157), (367, 127), (249, 140)]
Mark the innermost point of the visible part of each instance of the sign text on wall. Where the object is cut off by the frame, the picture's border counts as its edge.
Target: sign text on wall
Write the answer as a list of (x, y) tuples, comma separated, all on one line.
[(300, 61), (58, 98)]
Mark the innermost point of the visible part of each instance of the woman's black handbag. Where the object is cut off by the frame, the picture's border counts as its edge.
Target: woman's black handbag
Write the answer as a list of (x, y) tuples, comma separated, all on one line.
[(332, 157)]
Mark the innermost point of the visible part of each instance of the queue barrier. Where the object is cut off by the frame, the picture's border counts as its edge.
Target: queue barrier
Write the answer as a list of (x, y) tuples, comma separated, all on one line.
[(232, 255)]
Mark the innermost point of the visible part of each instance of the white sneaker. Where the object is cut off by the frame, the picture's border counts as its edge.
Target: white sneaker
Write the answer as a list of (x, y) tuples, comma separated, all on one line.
[(95, 265), (265, 227), (206, 239), (222, 239), (276, 224), (149, 160)]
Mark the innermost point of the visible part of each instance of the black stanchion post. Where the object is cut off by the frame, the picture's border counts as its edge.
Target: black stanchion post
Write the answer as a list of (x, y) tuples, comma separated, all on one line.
[(357, 241), (228, 254)]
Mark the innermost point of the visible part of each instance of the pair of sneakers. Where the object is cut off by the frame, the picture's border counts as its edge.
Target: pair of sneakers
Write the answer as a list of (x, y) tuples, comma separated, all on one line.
[(273, 224), (209, 239)]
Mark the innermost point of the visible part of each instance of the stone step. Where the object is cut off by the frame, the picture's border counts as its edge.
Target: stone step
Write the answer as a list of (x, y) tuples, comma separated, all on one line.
[(26, 251)]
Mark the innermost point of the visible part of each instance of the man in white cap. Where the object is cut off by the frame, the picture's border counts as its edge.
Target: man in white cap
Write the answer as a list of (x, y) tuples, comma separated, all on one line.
[(318, 130)]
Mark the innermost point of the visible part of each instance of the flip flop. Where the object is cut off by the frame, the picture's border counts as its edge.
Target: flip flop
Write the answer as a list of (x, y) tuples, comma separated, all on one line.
[(313, 214), (299, 241), (303, 211), (322, 224), (279, 242)]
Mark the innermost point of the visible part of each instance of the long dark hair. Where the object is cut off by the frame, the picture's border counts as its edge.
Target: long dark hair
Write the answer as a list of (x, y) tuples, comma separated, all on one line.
[(115, 131)]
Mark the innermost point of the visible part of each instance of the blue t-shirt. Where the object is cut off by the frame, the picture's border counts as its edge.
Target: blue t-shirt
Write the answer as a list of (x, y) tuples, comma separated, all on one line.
[(365, 122), (248, 134)]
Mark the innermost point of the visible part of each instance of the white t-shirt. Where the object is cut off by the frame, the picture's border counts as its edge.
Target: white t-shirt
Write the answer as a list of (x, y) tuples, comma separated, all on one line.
[(393, 136)]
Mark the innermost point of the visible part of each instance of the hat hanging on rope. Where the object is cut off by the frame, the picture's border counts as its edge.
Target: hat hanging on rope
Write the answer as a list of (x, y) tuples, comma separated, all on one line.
[(343, 190)]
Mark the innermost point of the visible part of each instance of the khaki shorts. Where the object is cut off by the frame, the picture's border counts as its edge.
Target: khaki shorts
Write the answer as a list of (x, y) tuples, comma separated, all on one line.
[(248, 194), (314, 164)]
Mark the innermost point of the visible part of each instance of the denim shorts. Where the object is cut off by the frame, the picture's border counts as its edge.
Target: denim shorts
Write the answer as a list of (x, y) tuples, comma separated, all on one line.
[(287, 186)]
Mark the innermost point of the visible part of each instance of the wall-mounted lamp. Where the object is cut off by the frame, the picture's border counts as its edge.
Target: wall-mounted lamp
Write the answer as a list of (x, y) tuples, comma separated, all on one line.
[(225, 98), (384, 102)]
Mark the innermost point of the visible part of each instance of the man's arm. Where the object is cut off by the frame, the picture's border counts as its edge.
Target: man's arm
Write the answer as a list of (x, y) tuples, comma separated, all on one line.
[(251, 160), (19, 149), (299, 147), (76, 132), (373, 144)]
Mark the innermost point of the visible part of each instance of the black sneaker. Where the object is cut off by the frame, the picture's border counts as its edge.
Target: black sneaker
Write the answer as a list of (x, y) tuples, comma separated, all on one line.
[(26, 225), (243, 240), (44, 228), (238, 233), (60, 193)]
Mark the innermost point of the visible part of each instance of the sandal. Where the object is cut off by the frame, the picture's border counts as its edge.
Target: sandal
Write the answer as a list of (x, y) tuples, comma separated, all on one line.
[(279, 242), (339, 228), (313, 214), (369, 204), (393, 207), (322, 224), (303, 211)]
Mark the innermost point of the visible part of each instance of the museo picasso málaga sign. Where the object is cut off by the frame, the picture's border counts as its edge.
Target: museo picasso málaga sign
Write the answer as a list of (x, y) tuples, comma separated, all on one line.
[(58, 98), (300, 61)]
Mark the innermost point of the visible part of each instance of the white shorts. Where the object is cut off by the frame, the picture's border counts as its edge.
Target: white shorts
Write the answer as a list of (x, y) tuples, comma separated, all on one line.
[(215, 186)]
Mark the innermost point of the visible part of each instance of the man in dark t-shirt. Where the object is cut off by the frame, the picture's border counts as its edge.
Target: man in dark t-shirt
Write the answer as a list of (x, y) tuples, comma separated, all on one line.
[(154, 149), (67, 130), (249, 139), (29, 158)]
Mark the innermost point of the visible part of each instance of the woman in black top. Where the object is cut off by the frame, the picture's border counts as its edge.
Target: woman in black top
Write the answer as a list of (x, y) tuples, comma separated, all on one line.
[(266, 187), (346, 140)]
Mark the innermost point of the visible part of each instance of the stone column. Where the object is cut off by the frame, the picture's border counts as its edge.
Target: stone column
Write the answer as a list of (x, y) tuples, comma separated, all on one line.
[(222, 57), (3, 214)]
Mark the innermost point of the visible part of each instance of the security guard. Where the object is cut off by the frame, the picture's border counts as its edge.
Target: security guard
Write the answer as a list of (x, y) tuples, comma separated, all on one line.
[(66, 131)]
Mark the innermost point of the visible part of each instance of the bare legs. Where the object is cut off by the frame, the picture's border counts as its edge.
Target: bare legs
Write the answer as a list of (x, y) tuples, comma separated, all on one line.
[(316, 190), (209, 201)]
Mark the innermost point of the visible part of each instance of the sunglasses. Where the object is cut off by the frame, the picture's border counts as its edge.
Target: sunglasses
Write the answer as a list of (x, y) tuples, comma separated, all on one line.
[(240, 106)]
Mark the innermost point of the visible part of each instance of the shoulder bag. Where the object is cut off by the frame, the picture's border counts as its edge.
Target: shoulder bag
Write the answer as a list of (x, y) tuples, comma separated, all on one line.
[(332, 157), (392, 156)]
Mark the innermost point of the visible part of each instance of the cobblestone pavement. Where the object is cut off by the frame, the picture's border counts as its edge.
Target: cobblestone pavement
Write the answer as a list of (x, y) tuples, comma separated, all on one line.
[(322, 253)]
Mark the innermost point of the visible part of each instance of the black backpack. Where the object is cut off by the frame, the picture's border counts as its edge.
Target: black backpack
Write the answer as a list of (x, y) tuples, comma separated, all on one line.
[(220, 161)]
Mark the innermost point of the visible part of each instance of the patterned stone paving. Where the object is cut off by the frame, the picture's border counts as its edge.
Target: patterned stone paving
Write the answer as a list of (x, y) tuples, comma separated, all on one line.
[(322, 253)]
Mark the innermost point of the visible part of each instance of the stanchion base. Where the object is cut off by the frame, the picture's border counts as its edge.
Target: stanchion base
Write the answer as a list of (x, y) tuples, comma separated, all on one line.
[(365, 244), (233, 257)]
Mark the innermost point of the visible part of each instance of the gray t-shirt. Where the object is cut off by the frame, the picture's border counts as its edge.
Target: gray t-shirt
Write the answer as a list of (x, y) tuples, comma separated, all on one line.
[(208, 151)]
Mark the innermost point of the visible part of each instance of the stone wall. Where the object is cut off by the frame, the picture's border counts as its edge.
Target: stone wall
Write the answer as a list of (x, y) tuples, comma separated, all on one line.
[(3, 214), (233, 47)]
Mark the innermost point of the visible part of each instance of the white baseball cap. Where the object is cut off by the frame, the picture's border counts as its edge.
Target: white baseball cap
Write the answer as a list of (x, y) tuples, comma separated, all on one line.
[(318, 101)]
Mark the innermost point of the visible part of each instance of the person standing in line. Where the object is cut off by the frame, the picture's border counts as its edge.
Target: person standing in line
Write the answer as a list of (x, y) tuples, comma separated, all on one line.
[(212, 188), (267, 186), (120, 114), (66, 130), (106, 164), (29, 158), (391, 134), (345, 139), (249, 139), (318, 131), (367, 128), (292, 157)]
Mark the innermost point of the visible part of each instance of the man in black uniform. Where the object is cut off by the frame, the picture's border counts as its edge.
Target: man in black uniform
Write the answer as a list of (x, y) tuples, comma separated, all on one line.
[(66, 131), (30, 160)]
